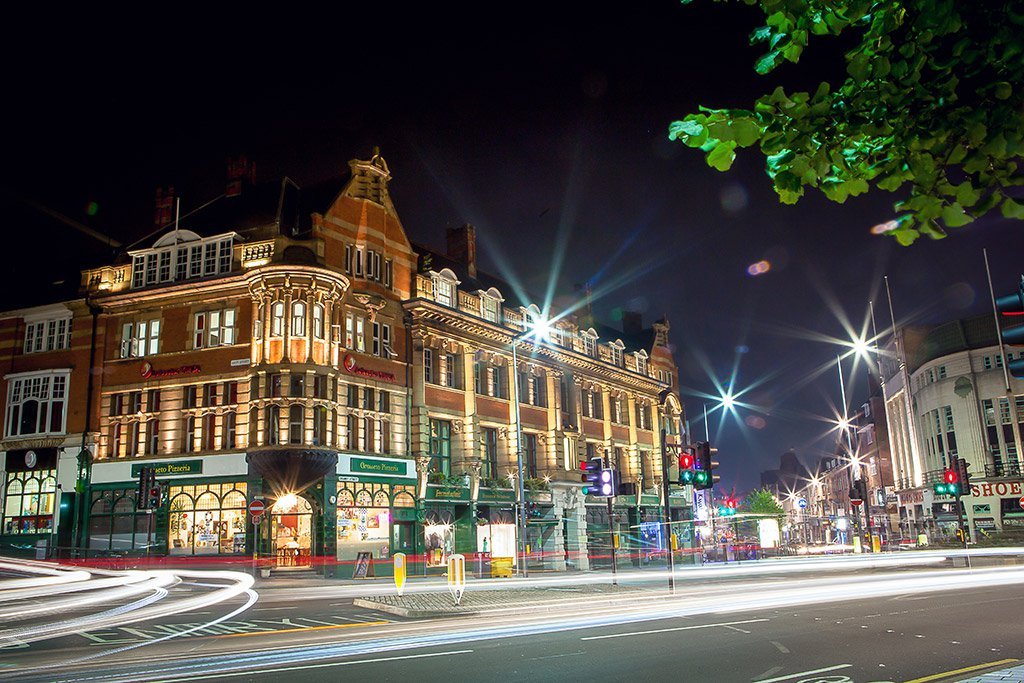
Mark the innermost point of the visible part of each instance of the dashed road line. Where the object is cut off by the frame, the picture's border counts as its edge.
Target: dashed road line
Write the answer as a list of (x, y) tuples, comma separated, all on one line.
[(669, 630)]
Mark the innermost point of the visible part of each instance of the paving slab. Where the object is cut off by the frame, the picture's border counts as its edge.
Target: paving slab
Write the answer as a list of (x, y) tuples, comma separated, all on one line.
[(510, 601)]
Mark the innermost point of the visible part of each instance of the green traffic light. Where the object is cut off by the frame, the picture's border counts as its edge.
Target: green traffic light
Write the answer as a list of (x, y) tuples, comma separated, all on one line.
[(702, 477), (687, 476), (586, 490)]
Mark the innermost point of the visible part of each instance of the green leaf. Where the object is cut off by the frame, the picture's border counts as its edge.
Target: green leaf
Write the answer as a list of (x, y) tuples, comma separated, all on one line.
[(954, 216), (1003, 90), (766, 62), (777, 161), (722, 156), (976, 134), (905, 236), (746, 131), (1012, 209), (966, 194)]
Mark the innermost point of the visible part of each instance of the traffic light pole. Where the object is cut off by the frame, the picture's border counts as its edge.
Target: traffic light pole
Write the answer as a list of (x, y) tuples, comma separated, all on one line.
[(611, 541), (667, 536), (960, 519)]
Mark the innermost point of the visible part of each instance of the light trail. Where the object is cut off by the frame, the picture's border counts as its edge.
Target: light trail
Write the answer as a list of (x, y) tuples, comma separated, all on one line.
[(64, 590), (465, 630)]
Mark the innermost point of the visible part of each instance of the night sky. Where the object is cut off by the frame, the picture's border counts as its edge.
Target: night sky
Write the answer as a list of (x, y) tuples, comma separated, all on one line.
[(540, 124)]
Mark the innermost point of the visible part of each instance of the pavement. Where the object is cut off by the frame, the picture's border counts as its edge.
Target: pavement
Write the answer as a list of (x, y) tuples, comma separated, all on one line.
[(1014, 674), (508, 601)]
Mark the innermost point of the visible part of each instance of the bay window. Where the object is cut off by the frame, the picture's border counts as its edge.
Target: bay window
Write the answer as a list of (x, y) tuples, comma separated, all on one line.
[(37, 403)]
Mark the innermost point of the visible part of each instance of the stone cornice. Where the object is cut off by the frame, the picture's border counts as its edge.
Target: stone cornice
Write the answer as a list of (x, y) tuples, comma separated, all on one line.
[(447, 322)]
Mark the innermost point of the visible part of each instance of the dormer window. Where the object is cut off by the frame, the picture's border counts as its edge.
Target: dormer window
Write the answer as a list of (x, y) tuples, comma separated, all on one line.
[(641, 362), (490, 305), (589, 339), (616, 352), (182, 255), (444, 287)]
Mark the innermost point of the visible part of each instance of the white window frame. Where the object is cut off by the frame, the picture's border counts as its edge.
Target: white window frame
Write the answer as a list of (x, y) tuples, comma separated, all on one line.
[(48, 334), (214, 328), (641, 362), (298, 319), (48, 388), (140, 338), (198, 257), (277, 319), (318, 321)]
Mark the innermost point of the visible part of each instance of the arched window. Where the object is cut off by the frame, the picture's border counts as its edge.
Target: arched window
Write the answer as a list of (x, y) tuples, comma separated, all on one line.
[(190, 434), (369, 440), (254, 424), (277, 319), (318, 321), (209, 425), (296, 417), (299, 319), (320, 426), (351, 431), (228, 432), (272, 425)]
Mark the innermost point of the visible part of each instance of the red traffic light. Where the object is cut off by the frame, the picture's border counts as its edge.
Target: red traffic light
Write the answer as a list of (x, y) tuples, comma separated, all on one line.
[(583, 466), (950, 477), (685, 461)]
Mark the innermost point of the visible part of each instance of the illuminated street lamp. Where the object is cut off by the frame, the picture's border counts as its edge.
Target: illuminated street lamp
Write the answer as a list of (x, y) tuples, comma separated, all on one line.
[(539, 328)]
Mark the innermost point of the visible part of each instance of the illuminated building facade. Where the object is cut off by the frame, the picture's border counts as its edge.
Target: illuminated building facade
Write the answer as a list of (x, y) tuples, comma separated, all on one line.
[(292, 344)]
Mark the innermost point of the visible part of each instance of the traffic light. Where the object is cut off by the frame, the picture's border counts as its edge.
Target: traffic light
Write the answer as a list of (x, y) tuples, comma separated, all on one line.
[(1012, 308), (950, 484), (155, 494), (727, 508), (599, 480), (965, 476), (859, 490), (686, 464), (147, 479), (704, 467)]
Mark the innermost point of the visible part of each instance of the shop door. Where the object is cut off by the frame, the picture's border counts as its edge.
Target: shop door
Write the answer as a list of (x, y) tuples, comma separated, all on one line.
[(402, 537), (291, 531)]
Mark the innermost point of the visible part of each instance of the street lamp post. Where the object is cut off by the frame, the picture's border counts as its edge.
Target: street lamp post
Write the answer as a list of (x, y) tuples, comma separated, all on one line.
[(520, 488), (539, 329)]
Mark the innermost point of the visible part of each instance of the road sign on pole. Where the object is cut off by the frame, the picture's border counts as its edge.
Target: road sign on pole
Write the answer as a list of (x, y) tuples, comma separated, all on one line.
[(257, 507), (400, 568), (457, 576)]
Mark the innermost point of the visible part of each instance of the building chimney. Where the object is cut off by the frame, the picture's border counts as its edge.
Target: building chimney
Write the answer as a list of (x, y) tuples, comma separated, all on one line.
[(632, 322), (462, 247), (163, 212), (240, 171)]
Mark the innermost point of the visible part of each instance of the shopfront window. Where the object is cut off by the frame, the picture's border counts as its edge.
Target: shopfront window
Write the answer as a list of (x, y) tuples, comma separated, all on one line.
[(438, 537), (365, 519), (207, 519), (28, 507), (114, 523)]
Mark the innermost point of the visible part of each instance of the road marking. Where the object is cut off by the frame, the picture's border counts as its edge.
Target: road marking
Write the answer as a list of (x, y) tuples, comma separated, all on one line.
[(668, 630), (306, 628), (321, 666), (780, 647), (804, 673), (739, 630), (272, 609), (947, 674), (769, 672), (564, 654)]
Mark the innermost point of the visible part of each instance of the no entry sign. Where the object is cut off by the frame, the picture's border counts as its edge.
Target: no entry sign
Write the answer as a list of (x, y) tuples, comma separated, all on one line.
[(257, 507)]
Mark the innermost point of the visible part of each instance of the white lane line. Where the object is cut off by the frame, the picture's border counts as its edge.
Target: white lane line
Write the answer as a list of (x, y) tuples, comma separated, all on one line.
[(272, 609), (805, 673), (769, 672), (322, 666), (780, 647), (738, 630), (668, 630)]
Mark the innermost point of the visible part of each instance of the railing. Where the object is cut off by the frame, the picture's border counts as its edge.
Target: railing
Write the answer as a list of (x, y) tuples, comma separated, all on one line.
[(1010, 469)]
